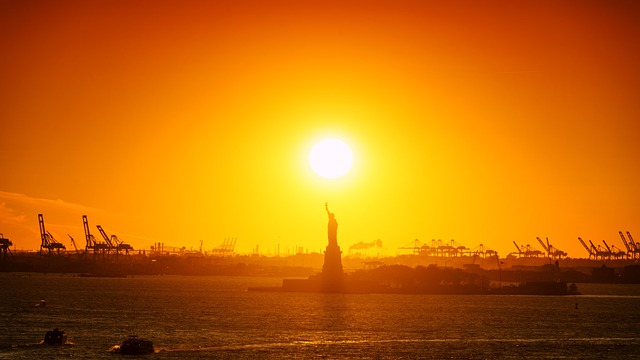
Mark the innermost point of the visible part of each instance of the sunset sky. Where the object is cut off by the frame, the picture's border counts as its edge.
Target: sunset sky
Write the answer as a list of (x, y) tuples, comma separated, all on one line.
[(180, 121)]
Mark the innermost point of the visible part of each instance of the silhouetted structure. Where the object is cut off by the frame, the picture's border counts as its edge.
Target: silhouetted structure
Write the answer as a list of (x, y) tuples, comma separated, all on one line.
[(5, 243), (48, 242), (136, 346), (55, 337), (332, 256), (227, 247)]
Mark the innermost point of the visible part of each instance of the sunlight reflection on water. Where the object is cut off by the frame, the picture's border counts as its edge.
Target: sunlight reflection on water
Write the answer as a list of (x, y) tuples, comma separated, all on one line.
[(215, 317)]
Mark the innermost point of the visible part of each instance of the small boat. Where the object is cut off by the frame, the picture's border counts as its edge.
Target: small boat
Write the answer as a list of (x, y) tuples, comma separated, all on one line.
[(55, 337), (136, 346)]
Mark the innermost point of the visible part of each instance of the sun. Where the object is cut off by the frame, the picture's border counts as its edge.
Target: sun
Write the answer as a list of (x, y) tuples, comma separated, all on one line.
[(330, 158)]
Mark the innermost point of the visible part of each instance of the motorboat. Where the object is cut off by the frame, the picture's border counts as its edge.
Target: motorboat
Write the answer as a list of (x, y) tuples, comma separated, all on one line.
[(136, 346), (55, 337)]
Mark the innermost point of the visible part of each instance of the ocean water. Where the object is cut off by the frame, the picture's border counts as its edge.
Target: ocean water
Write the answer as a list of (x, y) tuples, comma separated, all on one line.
[(216, 318)]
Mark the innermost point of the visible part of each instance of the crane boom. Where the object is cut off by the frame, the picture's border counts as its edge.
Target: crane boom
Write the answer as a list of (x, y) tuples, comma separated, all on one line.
[(73, 242), (589, 251), (635, 249), (47, 240), (105, 237), (545, 247), (633, 243), (606, 245), (90, 240), (624, 241), (598, 251), (517, 247), (43, 232)]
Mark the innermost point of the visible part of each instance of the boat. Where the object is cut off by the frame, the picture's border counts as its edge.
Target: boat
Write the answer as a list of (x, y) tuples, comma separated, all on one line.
[(136, 346), (55, 337)]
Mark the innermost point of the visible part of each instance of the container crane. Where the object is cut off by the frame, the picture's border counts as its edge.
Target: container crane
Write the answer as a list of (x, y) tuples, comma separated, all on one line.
[(4, 247), (626, 245), (91, 242), (630, 245), (634, 245), (589, 250), (120, 245), (520, 251), (107, 240), (604, 254), (531, 251), (481, 250), (47, 240), (545, 247), (619, 253), (73, 242), (415, 245), (115, 245), (551, 250), (89, 239), (528, 250), (226, 248), (615, 252)]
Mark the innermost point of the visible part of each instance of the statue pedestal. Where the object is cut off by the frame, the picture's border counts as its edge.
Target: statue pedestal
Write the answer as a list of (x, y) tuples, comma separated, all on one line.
[(332, 276), (332, 261)]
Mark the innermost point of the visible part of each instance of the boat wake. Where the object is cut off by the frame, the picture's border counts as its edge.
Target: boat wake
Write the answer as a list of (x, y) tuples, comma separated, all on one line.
[(316, 343)]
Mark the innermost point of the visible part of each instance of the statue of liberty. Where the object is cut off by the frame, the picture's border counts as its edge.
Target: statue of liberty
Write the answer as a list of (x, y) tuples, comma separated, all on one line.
[(332, 256)]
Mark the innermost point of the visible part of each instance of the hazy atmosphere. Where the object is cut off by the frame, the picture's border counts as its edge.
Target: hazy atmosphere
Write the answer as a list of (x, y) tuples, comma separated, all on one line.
[(188, 121)]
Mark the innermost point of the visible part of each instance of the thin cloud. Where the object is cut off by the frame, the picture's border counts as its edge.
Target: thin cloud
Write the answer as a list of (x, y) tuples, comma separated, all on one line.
[(25, 200), (7, 214)]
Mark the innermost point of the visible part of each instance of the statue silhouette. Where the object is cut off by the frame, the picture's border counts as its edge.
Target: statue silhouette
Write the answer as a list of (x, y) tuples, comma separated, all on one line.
[(332, 267), (332, 227)]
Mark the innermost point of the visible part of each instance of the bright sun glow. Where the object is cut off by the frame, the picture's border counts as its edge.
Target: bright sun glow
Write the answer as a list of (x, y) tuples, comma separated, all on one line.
[(330, 158)]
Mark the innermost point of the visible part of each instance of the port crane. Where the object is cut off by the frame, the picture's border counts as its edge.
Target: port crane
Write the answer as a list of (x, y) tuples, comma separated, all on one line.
[(614, 251), (438, 248), (4, 247), (107, 240), (634, 248), (528, 250), (635, 245), (552, 252), (590, 251), (482, 250), (73, 243), (48, 242), (115, 245), (444, 249), (626, 245), (121, 245), (521, 252), (91, 242), (226, 248), (415, 247), (604, 254)]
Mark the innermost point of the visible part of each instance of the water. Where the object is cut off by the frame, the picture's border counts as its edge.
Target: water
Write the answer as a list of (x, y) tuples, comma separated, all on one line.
[(216, 318)]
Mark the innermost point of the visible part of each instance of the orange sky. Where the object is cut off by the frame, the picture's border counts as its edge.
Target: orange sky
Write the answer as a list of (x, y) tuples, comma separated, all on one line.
[(181, 121)]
